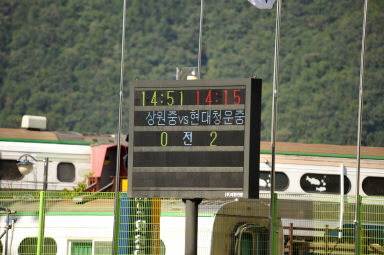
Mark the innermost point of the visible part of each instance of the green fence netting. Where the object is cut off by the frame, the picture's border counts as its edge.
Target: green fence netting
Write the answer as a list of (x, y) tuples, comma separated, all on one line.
[(83, 223)]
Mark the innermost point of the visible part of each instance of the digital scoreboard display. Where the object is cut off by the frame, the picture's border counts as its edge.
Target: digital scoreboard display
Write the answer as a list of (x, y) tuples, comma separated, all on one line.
[(194, 139)]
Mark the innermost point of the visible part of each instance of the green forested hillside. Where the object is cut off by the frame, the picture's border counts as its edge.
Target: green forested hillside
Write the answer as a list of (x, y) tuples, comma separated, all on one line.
[(61, 59)]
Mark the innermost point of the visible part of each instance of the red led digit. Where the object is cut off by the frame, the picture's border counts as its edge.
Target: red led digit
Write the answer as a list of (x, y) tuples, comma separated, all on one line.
[(198, 95), (225, 96), (208, 99)]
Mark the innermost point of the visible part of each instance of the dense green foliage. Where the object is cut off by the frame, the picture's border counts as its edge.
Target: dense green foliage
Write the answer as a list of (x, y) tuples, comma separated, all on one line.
[(61, 59)]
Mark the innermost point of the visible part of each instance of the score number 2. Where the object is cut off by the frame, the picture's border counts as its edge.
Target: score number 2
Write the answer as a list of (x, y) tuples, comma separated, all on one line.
[(213, 134)]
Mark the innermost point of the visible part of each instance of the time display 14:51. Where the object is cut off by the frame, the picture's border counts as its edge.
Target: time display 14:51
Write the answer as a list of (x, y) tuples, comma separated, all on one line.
[(190, 97)]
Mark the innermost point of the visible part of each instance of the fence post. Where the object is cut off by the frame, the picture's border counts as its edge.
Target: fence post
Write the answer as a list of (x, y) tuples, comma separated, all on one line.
[(40, 238), (117, 225), (326, 239), (290, 239), (358, 226), (274, 224)]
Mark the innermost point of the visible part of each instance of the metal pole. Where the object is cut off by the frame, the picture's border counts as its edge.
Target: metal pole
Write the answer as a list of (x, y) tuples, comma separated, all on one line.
[(7, 227), (191, 225), (200, 37), (40, 238), (117, 175), (360, 118), (341, 215), (274, 126), (117, 227)]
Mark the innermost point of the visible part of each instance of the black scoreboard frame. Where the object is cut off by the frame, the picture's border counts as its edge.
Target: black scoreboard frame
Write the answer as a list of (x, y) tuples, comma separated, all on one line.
[(148, 175)]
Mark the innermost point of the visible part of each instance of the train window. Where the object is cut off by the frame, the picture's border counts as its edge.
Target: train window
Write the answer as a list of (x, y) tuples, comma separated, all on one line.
[(65, 172), (103, 247), (246, 245), (8, 170), (281, 183), (250, 238), (81, 247), (373, 186), (324, 183), (85, 247), (29, 246)]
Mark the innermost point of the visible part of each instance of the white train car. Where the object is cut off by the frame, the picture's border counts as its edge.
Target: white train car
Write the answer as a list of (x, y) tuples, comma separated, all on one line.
[(322, 169), (69, 156), (316, 187), (68, 164), (63, 235)]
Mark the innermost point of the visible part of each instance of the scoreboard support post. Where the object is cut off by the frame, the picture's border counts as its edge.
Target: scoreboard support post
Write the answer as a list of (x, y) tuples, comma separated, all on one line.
[(191, 225)]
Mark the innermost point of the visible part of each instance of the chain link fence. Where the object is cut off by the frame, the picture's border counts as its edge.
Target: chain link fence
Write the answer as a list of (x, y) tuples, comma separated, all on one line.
[(83, 223)]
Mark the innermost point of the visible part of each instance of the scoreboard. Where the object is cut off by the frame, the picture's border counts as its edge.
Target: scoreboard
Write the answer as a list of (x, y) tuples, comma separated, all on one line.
[(194, 139)]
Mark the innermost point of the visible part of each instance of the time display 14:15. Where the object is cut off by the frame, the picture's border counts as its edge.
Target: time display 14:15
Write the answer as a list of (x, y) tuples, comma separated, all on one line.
[(190, 97)]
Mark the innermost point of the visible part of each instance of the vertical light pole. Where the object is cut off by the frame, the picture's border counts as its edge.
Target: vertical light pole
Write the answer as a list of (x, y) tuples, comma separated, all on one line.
[(200, 38), (272, 236), (118, 154), (359, 128)]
